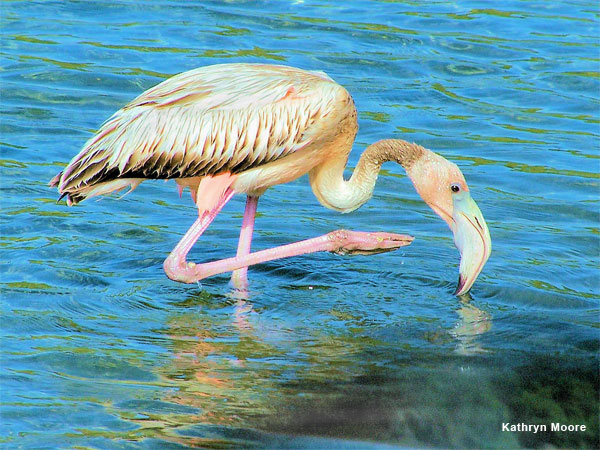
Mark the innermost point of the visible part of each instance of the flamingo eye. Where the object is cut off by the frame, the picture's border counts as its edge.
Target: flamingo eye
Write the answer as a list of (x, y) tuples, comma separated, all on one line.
[(455, 187)]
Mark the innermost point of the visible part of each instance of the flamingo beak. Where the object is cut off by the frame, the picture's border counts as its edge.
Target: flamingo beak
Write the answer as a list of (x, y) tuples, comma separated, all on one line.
[(471, 237)]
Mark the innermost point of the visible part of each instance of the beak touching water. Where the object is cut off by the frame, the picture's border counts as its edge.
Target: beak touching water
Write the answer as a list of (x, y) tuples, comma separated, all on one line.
[(471, 237)]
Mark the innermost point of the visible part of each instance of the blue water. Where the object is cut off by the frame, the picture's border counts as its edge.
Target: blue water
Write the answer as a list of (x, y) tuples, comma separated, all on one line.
[(100, 350)]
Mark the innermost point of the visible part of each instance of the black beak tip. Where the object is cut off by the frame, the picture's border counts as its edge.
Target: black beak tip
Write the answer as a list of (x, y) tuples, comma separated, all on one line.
[(461, 283)]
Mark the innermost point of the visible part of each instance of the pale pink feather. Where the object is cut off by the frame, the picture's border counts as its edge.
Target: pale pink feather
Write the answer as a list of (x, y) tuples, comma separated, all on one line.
[(211, 120)]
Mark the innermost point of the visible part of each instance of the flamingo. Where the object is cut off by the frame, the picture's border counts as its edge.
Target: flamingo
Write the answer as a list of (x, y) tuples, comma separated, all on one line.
[(228, 129)]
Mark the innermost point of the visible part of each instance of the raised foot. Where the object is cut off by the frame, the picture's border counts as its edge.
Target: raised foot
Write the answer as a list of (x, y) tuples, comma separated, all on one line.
[(345, 242)]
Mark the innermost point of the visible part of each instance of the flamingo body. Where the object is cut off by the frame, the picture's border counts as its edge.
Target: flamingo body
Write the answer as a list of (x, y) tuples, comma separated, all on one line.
[(242, 128), (264, 124)]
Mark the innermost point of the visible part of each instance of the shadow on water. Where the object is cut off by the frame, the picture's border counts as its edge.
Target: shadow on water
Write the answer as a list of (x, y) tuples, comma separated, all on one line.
[(465, 406)]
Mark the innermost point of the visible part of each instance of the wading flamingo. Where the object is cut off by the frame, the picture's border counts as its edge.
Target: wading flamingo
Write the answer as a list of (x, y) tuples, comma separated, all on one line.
[(242, 128)]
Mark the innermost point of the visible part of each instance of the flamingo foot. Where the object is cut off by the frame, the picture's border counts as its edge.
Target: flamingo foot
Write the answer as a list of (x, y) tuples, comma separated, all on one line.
[(345, 242)]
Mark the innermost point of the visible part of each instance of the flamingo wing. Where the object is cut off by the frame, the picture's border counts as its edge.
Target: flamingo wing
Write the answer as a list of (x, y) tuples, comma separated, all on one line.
[(215, 119)]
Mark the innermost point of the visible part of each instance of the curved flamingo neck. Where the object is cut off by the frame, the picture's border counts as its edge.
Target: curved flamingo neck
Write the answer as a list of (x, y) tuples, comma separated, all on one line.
[(334, 192)]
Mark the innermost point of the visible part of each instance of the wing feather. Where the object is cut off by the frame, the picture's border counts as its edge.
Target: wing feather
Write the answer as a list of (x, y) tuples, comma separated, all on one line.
[(204, 122)]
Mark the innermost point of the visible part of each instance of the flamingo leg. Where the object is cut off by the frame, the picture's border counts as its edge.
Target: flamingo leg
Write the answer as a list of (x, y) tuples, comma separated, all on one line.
[(175, 265), (239, 278), (339, 241)]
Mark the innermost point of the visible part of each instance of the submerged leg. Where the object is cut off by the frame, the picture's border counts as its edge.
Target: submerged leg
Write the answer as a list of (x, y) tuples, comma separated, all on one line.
[(239, 277), (340, 241)]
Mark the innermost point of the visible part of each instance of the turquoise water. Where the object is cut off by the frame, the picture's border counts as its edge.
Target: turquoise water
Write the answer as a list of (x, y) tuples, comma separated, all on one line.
[(100, 350)]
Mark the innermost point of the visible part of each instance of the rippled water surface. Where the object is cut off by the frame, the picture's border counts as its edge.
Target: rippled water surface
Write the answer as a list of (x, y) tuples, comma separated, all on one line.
[(100, 350)]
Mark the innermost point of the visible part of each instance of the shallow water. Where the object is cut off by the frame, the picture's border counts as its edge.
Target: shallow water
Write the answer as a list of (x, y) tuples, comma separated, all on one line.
[(101, 350)]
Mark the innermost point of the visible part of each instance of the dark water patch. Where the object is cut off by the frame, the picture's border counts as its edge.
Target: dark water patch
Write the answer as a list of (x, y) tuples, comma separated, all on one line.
[(83, 277), (35, 323), (556, 393), (86, 365), (380, 404), (201, 298), (150, 407), (545, 297), (375, 406), (464, 69)]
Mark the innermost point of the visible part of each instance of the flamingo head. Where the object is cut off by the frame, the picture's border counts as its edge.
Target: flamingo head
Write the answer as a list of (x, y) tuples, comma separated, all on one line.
[(442, 186)]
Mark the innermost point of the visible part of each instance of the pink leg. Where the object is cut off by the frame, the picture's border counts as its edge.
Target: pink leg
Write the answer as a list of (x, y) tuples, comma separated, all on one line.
[(239, 278), (339, 241), (175, 263)]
